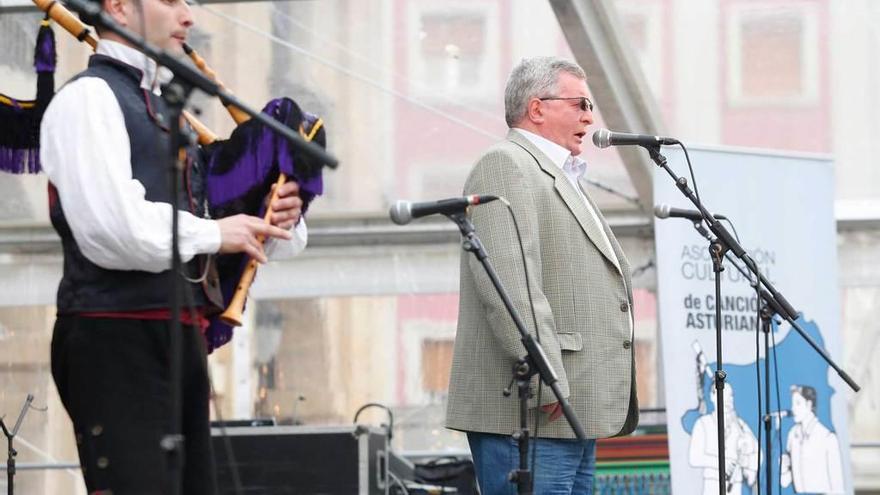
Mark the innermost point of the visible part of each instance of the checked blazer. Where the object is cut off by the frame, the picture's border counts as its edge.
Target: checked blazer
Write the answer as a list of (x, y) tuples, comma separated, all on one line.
[(582, 300)]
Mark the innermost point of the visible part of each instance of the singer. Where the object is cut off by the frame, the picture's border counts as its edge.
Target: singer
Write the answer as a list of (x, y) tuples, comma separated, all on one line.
[(105, 153), (580, 291)]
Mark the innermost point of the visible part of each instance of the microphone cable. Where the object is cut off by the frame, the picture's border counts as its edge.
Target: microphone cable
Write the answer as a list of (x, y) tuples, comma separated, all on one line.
[(224, 434), (778, 404), (757, 286), (691, 169)]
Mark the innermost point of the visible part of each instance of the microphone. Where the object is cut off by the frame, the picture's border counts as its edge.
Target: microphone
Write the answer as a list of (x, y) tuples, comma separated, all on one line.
[(666, 211), (403, 212), (604, 138), (778, 415)]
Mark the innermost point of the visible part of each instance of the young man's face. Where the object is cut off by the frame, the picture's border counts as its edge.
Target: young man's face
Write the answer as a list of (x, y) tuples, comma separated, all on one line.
[(165, 23), (800, 407)]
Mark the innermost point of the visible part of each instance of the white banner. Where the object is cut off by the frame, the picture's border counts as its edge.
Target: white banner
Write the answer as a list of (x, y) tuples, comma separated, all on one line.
[(782, 209)]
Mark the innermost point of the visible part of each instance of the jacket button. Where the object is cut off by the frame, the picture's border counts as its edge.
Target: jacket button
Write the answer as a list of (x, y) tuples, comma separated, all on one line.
[(624, 307), (627, 344)]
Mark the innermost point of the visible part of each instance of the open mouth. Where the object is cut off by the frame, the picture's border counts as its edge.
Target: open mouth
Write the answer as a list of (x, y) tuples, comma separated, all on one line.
[(580, 135)]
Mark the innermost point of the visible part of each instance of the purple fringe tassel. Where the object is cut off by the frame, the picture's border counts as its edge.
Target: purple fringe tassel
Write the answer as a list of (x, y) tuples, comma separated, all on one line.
[(20, 127), (19, 161)]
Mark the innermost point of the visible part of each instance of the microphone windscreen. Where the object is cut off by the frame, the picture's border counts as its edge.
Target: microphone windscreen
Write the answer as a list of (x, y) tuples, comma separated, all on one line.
[(661, 211), (401, 212), (602, 138)]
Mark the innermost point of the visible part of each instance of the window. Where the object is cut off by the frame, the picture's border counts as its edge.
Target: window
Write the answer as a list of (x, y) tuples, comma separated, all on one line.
[(454, 50), (773, 55), (436, 363)]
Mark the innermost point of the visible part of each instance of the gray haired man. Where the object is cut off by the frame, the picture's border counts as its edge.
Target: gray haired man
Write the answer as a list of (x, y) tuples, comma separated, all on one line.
[(578, 293)]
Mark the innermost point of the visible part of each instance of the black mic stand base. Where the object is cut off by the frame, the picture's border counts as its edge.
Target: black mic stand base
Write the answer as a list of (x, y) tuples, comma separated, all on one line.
[(11, 453), (522, 375)]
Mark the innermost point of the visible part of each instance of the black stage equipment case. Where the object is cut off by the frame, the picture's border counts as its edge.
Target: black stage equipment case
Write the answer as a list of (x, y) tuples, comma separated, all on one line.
[(282, 460)]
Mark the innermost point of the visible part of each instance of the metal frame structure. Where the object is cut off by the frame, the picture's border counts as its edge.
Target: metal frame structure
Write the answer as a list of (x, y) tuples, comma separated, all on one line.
[(595, 37)]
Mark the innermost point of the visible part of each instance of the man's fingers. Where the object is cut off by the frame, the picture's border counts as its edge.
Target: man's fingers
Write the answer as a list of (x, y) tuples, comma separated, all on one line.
[(255, 252), (245, 234), (289, 188), (284, 224), (280, 217), (271, 231), (287, 203)]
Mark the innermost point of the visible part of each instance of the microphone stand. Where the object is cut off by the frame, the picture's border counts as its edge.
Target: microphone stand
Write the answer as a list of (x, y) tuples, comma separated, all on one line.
[(717, 251), (766, 317), (533, 363), (11, 453), (718, 248), (769, 309), (176, 94)]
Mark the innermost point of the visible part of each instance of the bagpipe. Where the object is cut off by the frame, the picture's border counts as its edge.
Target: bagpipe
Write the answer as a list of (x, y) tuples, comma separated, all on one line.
[(240, 170)]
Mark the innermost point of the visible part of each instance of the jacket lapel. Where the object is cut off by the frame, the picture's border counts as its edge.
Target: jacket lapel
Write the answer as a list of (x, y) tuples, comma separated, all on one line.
[(618, 251), (569, 196)]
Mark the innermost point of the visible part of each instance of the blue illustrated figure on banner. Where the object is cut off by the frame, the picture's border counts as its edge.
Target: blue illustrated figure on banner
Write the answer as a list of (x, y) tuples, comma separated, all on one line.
[(801, 423)]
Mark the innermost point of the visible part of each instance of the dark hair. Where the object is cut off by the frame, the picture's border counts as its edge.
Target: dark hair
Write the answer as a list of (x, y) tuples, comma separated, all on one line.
[(807, 392)]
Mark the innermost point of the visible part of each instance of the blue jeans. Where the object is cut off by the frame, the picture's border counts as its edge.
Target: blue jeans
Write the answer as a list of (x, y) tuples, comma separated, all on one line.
[(563, 466)]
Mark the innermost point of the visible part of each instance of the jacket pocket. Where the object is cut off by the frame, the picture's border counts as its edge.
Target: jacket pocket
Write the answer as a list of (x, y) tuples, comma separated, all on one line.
[(570, 341)]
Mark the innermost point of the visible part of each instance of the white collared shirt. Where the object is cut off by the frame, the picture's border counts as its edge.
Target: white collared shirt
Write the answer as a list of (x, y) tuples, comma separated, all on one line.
[(816, 465), (86, 153), (153, 75)]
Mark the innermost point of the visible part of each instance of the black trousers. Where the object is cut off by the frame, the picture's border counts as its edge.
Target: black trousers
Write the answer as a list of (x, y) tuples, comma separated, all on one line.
[(113, 378)]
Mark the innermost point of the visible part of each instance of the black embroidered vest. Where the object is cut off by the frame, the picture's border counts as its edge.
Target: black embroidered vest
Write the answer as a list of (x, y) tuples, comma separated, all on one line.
[(85, 286)]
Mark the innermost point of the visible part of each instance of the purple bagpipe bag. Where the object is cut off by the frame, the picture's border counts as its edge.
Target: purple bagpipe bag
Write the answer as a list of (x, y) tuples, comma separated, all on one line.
[(240, 172)]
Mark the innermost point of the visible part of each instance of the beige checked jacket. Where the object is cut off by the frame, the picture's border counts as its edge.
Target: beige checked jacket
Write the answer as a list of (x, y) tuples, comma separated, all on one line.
[(581, 299)]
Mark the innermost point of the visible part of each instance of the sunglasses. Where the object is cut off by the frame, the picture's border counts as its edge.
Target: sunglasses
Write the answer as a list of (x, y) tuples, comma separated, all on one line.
[(586, 104)]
